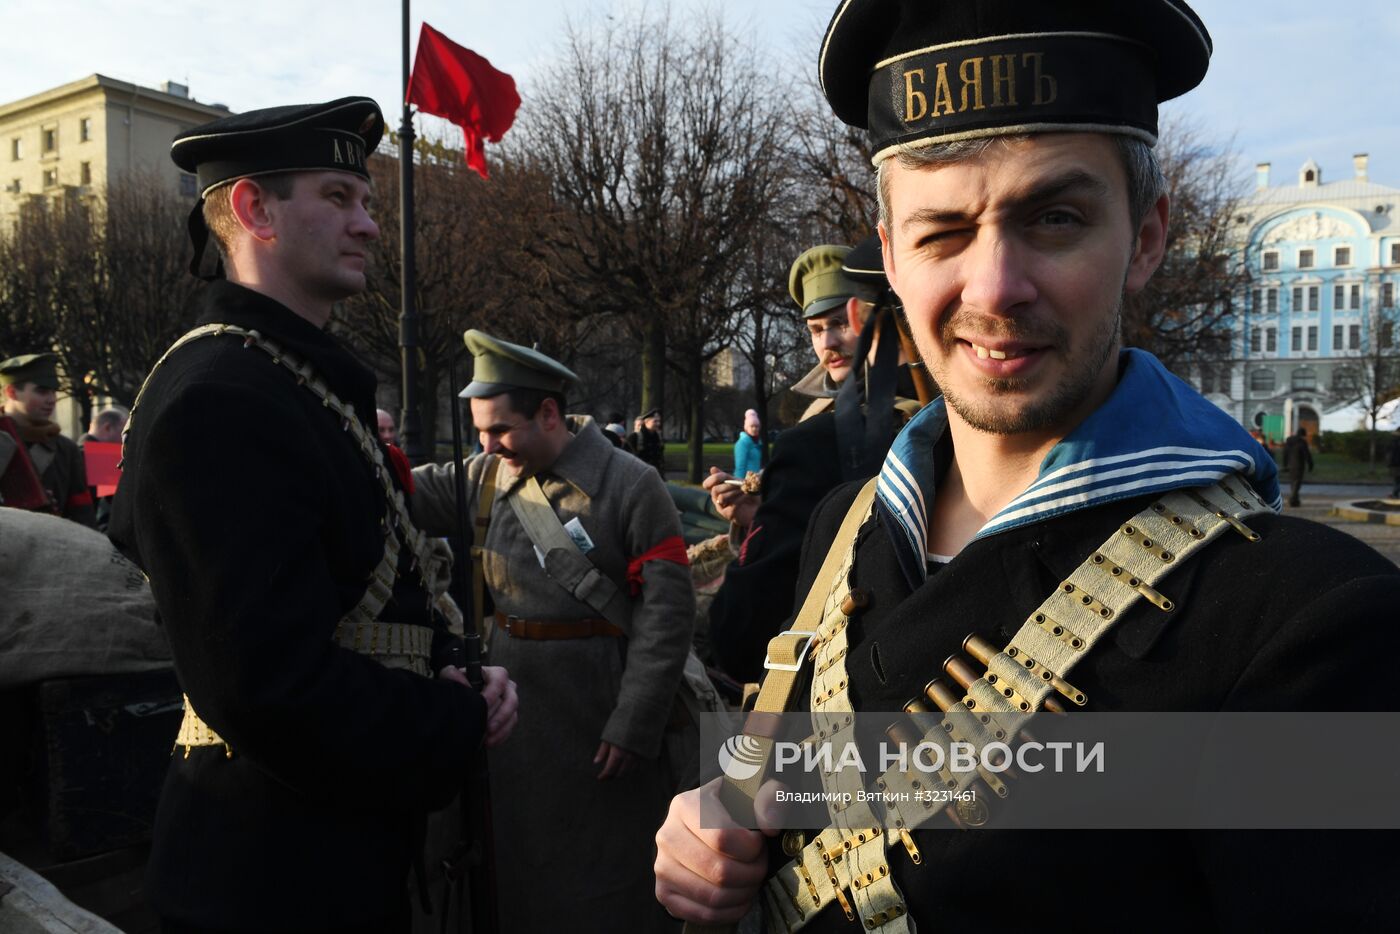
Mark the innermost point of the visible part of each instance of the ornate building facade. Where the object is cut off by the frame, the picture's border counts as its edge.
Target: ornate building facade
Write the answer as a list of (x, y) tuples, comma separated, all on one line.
[(1320, 315)]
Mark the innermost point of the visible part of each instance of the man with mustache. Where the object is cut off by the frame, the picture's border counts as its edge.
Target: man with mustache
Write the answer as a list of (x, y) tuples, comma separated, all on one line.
[(326, 713), (1096, 532), (826, 296), (838, 289)]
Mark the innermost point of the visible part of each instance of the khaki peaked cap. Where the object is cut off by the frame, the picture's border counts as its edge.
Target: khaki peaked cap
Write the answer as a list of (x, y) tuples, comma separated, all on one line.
[(500, 366), (817, 283)]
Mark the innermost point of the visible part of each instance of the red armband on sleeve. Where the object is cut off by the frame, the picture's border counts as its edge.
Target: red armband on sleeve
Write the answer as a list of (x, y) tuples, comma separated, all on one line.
[(399, 461), (668, 549)]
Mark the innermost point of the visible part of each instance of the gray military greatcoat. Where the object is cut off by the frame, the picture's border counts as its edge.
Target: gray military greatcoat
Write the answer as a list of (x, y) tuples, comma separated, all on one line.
[(575, 853)]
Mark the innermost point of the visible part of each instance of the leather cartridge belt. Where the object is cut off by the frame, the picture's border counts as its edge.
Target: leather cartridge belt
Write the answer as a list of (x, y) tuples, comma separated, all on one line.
[(520, 628)]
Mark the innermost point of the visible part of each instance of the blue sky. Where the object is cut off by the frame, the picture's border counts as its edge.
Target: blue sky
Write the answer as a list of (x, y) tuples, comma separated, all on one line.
[(1291, 79)]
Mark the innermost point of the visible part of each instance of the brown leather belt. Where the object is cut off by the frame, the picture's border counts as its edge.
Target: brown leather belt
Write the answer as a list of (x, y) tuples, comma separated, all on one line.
[(519, 628)]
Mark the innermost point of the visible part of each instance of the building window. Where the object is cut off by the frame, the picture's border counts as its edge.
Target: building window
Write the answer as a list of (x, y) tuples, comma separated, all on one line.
[(50, 178), (1339, 297), (1387, 334), (1207, 380), (1256, 340), (1313, 292), (1258, 297), (1344, 379), (1342, 257), (1312, 337), (1336, 337), (1305, 259), (1304, 379), (1271, 301), (1354, 336), (85, 173), (1297, 345), (1395, 253), (1387, 294), (1271, 340), (16, 149), (1271, 260), (84, 129), (1261, 381), (1355, 297), (50, 138), (1297, 298)]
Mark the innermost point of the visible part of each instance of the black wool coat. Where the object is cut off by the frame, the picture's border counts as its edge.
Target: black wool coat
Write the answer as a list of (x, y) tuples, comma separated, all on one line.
[(258, 522), (1290, 623)]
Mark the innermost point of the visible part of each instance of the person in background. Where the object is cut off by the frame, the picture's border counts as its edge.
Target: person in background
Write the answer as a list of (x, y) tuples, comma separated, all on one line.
[(650, 448), (1297, 460), (105, 428), (748, 450), (40, 469), (388, 430), (1392, 461)]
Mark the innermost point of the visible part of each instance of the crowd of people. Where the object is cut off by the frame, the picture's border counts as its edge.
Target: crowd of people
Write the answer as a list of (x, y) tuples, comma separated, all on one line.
[(980, 463)]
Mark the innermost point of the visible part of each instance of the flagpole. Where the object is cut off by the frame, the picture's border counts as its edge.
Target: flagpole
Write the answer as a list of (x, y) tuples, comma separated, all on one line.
[(410, 423)]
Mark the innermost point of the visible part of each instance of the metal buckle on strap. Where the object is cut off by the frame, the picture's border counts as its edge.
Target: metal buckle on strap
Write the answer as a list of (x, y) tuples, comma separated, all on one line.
[(510, 620), (806, 637)]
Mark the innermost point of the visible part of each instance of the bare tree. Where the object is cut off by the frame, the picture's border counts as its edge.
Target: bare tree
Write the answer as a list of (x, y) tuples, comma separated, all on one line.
[(1184, 315), (665, 157), (107, 277), (836, 179), (464, 239), (1374, 379)]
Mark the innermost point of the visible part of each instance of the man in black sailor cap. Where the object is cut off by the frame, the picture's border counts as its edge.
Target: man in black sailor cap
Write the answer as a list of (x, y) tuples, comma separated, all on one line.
[(1070, 525), (325, 712)]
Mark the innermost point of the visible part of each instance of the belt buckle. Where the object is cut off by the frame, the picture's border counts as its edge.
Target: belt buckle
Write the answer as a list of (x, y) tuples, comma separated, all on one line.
[(806, 636), (511, 620)]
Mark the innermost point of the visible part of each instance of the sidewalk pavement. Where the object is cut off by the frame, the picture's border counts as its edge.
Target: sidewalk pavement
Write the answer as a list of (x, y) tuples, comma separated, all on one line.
[(1318, 498)]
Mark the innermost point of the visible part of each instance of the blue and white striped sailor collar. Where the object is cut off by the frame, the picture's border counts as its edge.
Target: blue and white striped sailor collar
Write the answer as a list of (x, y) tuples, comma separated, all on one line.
[(1154, 433)]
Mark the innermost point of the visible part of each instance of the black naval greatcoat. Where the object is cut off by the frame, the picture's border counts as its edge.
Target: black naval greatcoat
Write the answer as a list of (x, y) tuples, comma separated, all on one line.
[(259, 522), (1293, 622), (757, 594)]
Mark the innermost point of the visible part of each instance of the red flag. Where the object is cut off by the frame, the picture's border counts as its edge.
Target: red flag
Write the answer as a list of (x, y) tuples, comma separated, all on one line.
[(454, 82), (101, 459)]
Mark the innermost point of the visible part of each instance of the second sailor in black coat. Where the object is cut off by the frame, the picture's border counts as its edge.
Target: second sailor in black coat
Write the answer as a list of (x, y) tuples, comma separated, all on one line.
[(257, 499)]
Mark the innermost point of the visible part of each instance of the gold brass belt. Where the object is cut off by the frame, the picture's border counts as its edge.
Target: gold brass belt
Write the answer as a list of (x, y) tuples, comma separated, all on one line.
[(394, 645)]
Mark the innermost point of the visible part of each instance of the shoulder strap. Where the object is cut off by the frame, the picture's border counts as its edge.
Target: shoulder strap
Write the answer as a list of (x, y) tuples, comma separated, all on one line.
[(825, 603), (563, 560), (382, 580), (1114, 577), (485, 499)]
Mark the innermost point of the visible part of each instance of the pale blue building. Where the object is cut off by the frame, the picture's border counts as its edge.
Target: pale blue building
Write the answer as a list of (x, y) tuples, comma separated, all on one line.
[(1324, 269)]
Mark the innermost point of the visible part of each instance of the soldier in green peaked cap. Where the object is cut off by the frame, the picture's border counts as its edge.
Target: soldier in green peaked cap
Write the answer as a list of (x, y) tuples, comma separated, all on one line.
[(40, 469), (499, 366), (588, 603), (820, 288)]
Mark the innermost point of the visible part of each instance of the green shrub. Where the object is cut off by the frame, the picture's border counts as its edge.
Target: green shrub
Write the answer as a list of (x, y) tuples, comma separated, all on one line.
[(1353, 445)]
